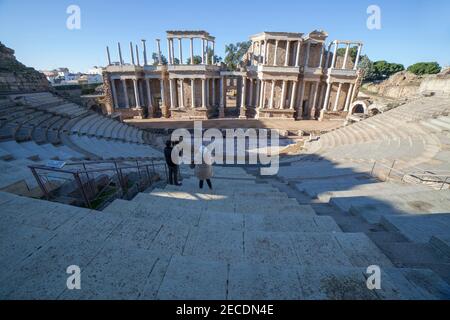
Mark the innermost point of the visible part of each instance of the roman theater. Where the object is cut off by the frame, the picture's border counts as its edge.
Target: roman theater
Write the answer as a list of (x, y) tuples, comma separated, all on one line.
[(283, 75), (359, 207)]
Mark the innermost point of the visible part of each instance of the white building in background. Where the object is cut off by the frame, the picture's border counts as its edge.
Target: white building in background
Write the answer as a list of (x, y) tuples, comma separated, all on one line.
[(62, 76), (94, 75)]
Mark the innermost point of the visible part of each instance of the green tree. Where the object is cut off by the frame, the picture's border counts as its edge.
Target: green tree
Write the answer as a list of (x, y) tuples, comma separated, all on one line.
[(234, 54), (155, 59), (422, 68), (216, 57), (384, 69), (163, 59), (366, 65), (197, 60), (352, 52)]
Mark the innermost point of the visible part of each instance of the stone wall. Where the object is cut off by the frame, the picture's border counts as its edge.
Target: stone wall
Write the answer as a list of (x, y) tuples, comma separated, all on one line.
[(16, 77), (403, 85)]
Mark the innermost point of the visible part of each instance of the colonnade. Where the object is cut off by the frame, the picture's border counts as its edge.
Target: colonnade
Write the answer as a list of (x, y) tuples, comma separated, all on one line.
[(207, 46)]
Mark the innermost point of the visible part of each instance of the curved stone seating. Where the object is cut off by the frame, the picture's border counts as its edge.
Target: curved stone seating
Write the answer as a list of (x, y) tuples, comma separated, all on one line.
[(18, 151), (54, 130), (390, 136)]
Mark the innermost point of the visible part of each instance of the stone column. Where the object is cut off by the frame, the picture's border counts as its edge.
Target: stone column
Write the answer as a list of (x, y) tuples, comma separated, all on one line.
[(272, 94), (325, 101), (203, 51), (172, 49), (137, 56), (250, 93), (192, 50), (349, 97), (275, 55), (322, 52), (293, 94), (125, 93), (158, 47), (120, 53), (213, 58), (181, 93), (213, 93), (308, 51), (300, 102), (288, 47), (333, 61), (222, 98), (283, 95), (204, 93), (242, 113), (163, 97), (145, 52), (338, 94), (108, 55), (347, 48), (260, 52), (314, 100), (136, 93), (258, 89), (132, 53), (252, 56), (208, 93), (358, 55), (172, 93), (149, 98), (169, 52), (261, 95), (180, 49), (265, 52), (297, 57), (193, 93), (321, 95), (114, 93)]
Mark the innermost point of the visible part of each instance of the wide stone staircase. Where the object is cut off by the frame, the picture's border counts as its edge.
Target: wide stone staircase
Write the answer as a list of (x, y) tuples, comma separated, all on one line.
[(245, 239)]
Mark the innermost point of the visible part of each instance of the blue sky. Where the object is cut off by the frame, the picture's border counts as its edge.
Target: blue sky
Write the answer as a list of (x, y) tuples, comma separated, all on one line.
[(412, 30)]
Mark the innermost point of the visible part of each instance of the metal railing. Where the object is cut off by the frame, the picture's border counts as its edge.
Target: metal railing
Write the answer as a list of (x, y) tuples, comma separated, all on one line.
[(437, 178), (93, 183)]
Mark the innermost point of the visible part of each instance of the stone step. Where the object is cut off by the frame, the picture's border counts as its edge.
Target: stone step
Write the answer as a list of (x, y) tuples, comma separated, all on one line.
[(441, 124), (228, 193), (281, 206)]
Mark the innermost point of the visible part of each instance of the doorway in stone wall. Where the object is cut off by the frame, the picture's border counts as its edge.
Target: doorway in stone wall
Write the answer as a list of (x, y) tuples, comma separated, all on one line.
[(232, 98)]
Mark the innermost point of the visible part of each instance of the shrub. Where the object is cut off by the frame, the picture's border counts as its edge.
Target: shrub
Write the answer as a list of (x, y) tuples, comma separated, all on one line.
[(422, 68)]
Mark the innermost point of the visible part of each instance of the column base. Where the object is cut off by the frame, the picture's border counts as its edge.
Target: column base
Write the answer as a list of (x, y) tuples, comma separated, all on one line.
[(165, 111), (322, 114), (221, 112), (313, 113), (243, 113)]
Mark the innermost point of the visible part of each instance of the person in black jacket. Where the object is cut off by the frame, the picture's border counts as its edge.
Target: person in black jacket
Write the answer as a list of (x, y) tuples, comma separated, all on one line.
[(173, 168)]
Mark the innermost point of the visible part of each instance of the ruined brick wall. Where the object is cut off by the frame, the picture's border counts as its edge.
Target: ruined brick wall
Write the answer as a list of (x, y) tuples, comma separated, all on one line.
[(16, 77)]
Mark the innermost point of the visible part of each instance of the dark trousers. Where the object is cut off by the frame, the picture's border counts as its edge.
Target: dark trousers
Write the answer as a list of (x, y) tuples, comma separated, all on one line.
[(208, 181), (173, 175)]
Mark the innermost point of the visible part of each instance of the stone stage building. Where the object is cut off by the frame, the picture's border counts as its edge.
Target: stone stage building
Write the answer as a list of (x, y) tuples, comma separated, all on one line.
[(283, 75)]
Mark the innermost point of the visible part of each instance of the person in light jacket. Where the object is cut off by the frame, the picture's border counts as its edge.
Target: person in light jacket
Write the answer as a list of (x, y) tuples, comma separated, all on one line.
[(204, 170)]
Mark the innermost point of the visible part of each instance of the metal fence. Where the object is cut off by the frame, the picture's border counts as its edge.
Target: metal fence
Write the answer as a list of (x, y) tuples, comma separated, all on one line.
[(438, 179), (94, 183)]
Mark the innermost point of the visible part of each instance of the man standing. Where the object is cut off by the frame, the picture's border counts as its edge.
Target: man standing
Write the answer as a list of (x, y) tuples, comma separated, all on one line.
[(173, 168)]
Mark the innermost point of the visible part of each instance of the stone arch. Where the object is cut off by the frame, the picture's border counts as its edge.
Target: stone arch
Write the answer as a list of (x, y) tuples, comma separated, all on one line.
[(373, 111), (360, 107)]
